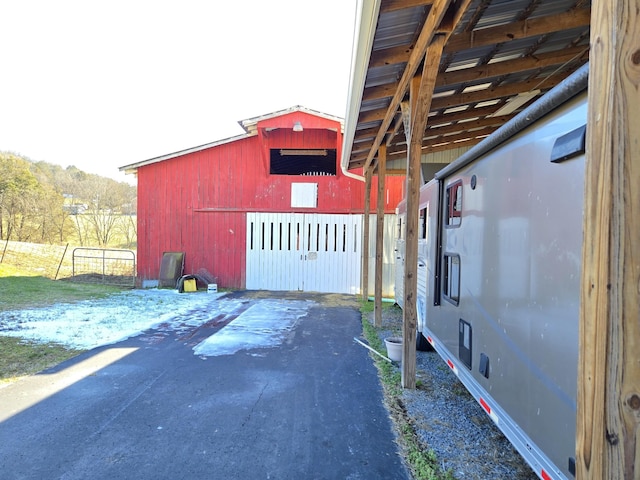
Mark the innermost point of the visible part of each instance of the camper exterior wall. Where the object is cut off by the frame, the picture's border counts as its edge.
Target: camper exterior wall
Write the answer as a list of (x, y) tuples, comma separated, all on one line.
[(499, 284)]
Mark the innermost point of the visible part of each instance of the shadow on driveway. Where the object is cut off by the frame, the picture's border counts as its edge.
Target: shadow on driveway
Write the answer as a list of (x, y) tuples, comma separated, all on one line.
[(309, 406)]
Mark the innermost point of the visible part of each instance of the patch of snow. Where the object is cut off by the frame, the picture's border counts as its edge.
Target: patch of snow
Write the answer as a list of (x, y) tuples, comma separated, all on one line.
[(264, 324), (92, 323)]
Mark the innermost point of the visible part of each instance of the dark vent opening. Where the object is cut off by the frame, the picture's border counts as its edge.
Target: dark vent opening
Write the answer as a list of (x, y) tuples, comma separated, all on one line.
[(318, 161)]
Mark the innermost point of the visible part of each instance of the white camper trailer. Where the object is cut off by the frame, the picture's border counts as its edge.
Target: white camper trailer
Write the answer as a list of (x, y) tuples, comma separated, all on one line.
[(499, 256)]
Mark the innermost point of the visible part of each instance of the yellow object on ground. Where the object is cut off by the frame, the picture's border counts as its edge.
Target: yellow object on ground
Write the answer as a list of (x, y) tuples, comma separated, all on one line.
[(190, 285)]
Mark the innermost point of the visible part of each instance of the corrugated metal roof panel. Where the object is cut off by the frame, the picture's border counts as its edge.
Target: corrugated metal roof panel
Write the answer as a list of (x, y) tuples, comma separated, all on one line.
[(398, 27), (489, 32)]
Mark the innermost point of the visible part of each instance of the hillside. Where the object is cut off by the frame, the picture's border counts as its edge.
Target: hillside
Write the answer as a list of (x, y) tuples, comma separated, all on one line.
[(44, 203)]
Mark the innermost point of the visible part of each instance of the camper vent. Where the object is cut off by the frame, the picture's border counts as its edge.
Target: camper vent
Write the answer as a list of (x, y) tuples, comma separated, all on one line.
[(569, 145)]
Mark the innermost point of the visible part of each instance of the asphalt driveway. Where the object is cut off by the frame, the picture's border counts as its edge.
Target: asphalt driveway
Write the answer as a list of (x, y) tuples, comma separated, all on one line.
[(152, 407)]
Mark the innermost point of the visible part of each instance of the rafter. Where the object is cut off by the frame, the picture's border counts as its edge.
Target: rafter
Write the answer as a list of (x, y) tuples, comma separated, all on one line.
[(513, 66), (497, 92), (519, 30), (372, 116), (467, 114), (480, 82), (390, 56), (434, 19), (484, 72), (394, 5), (466, 126)]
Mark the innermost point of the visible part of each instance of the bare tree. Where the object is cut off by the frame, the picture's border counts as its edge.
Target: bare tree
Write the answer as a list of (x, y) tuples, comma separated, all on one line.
[(104, 208), (126, 228)]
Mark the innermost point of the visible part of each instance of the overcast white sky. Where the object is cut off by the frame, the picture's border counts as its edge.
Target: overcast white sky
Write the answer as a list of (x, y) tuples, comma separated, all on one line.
[(100, 85)]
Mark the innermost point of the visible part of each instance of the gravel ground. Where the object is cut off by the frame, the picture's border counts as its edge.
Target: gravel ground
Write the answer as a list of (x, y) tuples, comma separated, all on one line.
[(449, 421)]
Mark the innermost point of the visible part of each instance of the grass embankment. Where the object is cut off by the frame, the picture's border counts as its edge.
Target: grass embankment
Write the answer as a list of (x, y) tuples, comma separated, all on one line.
[(19, 291), (422, 461)]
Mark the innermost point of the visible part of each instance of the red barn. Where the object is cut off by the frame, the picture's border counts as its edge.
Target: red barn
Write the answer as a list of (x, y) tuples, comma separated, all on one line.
[(269, 209)]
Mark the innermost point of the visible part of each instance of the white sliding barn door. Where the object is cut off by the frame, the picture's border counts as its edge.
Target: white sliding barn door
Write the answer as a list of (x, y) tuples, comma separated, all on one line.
[(310, 252)]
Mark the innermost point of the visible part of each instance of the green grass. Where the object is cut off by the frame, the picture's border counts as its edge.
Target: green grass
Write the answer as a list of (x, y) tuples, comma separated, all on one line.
[(19, 358), (421, 460), (19, 290)]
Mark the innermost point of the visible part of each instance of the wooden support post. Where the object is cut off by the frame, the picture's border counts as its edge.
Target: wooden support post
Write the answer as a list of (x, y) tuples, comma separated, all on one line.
[(421, 95), (410, 314), (382, 166), (365, 234), (608, 403)]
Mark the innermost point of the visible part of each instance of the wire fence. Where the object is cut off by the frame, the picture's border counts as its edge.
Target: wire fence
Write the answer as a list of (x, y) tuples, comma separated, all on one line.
[(106, 266)]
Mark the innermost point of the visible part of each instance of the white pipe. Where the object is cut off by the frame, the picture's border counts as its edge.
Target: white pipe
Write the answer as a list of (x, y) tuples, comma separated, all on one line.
[(373, 350)]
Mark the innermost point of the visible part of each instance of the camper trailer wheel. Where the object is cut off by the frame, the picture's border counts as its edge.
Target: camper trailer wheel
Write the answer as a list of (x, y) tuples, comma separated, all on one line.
[(422, 344)]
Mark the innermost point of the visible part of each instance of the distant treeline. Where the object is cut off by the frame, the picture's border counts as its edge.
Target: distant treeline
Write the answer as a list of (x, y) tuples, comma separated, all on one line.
[(45, 203)]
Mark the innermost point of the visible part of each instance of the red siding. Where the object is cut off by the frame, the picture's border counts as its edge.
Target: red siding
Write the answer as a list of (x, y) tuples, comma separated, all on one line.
[(196, 203)]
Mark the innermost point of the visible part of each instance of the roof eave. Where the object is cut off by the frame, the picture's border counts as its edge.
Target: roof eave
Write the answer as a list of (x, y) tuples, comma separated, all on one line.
[(132, 168), (366, 18)]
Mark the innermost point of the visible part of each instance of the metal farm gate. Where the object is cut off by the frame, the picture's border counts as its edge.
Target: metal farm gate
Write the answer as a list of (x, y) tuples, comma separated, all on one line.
[(103, 265), (304, 251)]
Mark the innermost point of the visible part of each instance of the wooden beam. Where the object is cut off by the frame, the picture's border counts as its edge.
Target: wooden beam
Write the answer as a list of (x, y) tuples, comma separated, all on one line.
[(519, 30), (532, 62), (396, 172), (469, 113), (390, 56), (486, 72), (386, 90), (400, 152), (450, 146), (608, 400), (366, 133), (488, 36), (372, 115), (435, 17), (501, 91), (421, 97), (382, 166), (365, 235), (457, 128), (393, 130), (463, 135), (395, 5)]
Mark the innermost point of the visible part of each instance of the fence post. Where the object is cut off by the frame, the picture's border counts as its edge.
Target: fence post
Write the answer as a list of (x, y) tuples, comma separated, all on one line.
[(6, 244), (61, 260)]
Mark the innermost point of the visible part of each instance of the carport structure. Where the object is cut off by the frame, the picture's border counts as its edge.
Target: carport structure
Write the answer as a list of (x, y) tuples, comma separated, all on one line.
[(434, 76)]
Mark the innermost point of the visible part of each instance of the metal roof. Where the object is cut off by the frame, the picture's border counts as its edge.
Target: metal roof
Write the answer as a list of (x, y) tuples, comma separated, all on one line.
[(498, 57)]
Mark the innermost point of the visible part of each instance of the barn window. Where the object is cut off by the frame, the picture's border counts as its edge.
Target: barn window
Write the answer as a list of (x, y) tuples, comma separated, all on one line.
[(298, 161)]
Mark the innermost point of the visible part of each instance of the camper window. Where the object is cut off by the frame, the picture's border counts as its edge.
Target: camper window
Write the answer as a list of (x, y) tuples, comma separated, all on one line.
[(451, 278), (454, 204), (423, 223)]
